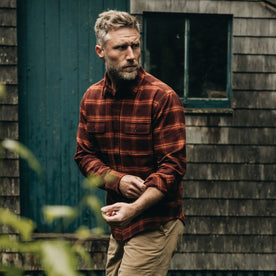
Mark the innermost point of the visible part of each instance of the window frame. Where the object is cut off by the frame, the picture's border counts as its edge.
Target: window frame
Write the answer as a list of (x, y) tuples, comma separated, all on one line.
[(186, 100)]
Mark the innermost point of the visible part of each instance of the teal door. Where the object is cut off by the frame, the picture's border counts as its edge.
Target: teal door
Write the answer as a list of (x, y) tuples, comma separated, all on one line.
[(57, 63)]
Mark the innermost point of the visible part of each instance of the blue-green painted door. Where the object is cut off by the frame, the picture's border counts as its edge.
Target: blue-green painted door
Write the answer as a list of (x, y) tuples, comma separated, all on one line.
[(57, 63)]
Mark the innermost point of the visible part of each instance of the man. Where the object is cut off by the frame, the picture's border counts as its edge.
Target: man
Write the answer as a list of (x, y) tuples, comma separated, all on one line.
[(132, 133)]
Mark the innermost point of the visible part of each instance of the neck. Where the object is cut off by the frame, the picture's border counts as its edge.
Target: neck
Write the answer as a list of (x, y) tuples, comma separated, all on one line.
[(117, 83)]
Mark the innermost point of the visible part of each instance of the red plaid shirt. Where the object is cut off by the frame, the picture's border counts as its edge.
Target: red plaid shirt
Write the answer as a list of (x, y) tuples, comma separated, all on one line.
[(138, 131)]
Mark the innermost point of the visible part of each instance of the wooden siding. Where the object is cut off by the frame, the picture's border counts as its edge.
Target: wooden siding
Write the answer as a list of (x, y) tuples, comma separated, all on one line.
[(229, 189), (9, 173)]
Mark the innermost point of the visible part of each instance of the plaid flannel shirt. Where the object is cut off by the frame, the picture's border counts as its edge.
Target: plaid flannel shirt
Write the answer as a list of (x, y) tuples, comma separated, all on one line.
[(138, 130)]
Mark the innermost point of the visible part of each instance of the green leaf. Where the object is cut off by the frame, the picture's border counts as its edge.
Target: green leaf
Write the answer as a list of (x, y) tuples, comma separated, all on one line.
[(97, 231), (95, 205), (58, 259), (23, 226), (83, 254), (83, 233), (92, 182), (11, 243), (59, 211), (24, 153), (11, 270), (2, 91)]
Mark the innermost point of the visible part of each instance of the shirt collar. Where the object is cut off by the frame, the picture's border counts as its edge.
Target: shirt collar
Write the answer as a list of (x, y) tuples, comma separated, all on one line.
[(107, 88)]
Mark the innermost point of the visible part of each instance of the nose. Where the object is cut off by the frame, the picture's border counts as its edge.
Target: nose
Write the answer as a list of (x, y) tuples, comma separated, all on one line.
[(130, 53)]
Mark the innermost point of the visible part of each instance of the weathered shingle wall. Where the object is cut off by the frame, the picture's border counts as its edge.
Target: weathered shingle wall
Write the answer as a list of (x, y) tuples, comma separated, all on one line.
[(229, 189), (9, 172)]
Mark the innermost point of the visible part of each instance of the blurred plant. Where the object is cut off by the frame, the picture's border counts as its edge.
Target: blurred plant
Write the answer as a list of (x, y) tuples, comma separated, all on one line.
[(57, 257), (24, 153), (2, 91)]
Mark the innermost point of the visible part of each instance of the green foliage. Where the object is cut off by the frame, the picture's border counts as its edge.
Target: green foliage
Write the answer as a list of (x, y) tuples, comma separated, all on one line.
[(2, 91), (52, 213), (24, 227), (24, 153), (57, 257)]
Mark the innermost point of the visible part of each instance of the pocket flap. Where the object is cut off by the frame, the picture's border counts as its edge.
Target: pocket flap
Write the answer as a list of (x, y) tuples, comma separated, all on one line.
[(137, 128)]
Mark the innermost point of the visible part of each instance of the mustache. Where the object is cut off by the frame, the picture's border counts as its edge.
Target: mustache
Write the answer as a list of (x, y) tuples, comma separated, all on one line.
[(131, 64)]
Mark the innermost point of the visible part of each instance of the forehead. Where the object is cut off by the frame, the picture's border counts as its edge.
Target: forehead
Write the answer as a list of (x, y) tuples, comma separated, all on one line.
[(122, 35)]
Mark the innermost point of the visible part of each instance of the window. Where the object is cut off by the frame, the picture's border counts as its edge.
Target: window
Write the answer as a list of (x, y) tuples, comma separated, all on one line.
[(192, 54)]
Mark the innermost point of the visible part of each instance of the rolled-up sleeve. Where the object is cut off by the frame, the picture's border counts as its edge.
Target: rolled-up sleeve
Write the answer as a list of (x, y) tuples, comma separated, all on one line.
[(169, 142), (86, 157)]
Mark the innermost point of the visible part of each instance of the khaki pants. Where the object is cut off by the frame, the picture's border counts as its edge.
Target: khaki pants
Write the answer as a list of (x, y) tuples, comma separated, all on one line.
[(146, 254)]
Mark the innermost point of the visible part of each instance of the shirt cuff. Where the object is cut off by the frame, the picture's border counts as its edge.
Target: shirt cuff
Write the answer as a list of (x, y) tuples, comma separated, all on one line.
[(163, 182), (112, 180)]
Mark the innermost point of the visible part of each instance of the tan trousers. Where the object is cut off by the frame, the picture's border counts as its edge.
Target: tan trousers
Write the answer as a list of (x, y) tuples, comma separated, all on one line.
[(146, 254)]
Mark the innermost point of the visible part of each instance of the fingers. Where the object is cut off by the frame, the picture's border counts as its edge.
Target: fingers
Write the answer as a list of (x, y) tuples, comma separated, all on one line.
[(109, 210), (118, 214), (139, 179), (113, 218), (132, 186), (140, 184), (108, 213)]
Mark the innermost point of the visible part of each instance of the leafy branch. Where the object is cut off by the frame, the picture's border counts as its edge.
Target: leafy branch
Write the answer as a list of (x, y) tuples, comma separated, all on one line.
[(57, 257)]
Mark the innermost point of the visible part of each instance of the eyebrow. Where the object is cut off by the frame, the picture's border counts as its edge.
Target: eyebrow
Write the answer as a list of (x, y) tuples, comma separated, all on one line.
[(126, 44)]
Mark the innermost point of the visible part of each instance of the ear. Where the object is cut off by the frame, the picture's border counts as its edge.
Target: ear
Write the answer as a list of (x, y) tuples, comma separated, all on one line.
[(100, 51)]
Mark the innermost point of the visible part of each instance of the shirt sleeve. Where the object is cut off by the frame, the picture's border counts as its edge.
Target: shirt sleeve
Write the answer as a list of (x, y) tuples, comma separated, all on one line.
[(87, 160), (169, 141)]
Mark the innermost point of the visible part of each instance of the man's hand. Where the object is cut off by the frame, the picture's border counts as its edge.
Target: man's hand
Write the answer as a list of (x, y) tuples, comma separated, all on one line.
[(119, 214), (132, 186)]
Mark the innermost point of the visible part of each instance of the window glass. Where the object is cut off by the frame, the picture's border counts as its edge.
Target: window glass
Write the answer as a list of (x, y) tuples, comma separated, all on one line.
[(164, 51), (208, 56), (190, 52)]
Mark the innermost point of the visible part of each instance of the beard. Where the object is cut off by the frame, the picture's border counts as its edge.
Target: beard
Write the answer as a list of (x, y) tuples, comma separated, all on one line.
[(125, 73)]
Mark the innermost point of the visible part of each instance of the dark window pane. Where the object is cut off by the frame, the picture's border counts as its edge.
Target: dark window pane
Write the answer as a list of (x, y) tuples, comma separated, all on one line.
[(208, 56), (164, 51)]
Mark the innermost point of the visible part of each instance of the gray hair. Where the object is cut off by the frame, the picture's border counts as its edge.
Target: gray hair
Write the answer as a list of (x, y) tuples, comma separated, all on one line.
[(113, 20)]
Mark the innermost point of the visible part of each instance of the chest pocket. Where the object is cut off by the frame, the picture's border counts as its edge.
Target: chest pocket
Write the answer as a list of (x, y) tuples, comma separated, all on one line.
[(96, 127), (136, 128)]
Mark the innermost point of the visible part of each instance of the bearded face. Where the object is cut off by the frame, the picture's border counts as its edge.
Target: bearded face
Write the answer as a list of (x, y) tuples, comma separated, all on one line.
[(121, 54)]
